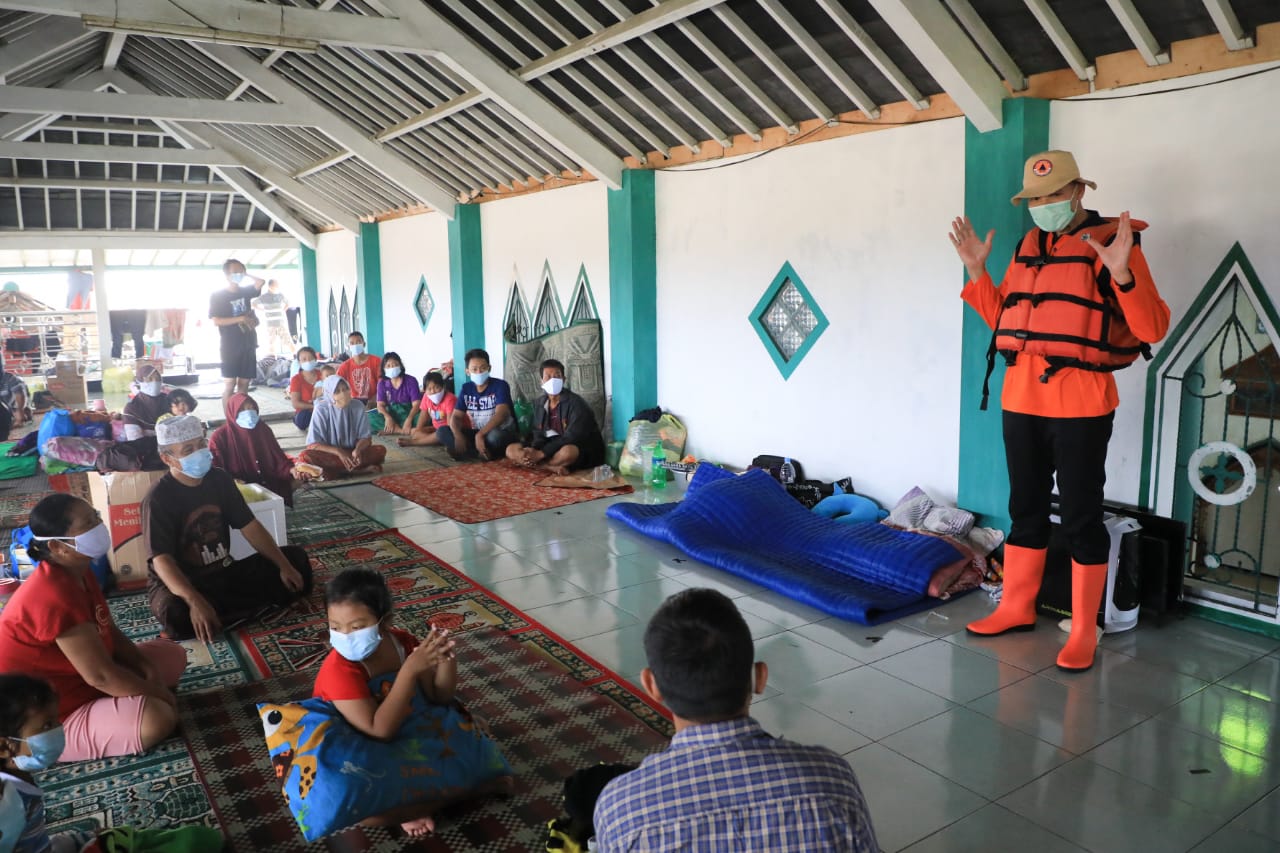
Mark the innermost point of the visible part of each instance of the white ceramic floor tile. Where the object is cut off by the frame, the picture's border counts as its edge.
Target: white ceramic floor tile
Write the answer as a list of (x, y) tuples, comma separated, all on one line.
[(712, 578), (537, 590), (779, 609), (462, 552), (871, 702), (568, 555), (950, 671), (427, 535), (948, 617), (604, 573), (866, 643), (643, 600), (582, 617), (785, 717), (496, 568), (621, 650), (796, 662)]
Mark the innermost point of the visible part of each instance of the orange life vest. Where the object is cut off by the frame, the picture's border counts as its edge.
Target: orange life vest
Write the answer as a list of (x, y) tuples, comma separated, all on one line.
[(1059, 303)]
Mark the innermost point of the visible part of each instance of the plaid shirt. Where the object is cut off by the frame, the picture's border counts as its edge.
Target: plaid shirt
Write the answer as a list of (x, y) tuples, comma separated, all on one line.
[(731, 786)]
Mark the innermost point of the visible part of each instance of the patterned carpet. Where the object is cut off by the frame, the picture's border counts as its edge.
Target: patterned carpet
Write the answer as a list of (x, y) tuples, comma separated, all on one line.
[(400, 460), (317, 516), (485, 492), (547, 721)]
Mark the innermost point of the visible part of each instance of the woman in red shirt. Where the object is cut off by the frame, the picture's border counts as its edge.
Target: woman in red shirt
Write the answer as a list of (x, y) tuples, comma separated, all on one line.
[(114, 697), (302, 387)]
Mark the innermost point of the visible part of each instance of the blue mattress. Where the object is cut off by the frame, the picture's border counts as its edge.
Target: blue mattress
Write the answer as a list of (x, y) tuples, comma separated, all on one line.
[(749, 526)]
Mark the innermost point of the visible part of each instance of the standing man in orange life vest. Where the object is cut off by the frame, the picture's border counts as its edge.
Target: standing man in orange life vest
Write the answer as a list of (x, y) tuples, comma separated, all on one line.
[(1076, 303)]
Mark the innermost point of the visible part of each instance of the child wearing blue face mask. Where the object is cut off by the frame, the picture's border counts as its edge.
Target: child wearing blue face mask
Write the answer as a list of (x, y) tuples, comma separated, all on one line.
[(248, 450), (378, 676), (31, 739)]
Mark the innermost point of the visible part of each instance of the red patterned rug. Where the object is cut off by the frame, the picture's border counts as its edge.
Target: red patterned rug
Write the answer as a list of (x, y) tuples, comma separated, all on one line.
[(474, 493), (551, 708)]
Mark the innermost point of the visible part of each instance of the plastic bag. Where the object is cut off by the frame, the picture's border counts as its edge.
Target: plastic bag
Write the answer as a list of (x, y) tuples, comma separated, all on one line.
[(524, 416), (643, 435), (73, 450), (55, 422)]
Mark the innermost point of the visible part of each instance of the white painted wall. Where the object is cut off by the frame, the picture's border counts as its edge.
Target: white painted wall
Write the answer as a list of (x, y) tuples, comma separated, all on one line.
[(335, 270), (411, 248), (564, 230), (863, 220), (1200, 167)]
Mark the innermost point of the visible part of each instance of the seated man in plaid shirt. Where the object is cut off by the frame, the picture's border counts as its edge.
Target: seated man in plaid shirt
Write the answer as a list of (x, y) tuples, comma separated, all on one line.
[(724, 783)]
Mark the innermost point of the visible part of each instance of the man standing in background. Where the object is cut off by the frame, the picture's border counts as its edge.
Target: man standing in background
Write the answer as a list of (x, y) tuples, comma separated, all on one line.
[(232, 313), (273, 305)]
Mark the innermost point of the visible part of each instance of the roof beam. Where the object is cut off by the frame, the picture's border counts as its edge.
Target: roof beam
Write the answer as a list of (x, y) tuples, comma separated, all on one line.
[(105, 127), (50, 36), (516, 96), (112, 154), (336, 126), (1224, 18), (825, 62), (629, 28), (856, 34), (1062, 40), (1139, 33), (74, 183), (21, 125), (929, 31), (111, 56), (37, 101), (152, 240), (987, 43)]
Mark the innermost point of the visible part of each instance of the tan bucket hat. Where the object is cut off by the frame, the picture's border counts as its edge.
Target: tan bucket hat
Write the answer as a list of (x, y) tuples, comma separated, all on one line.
[(1048, 172)]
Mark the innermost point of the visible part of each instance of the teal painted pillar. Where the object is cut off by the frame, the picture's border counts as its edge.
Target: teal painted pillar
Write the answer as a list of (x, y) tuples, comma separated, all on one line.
[(633, 296), (369, 287), (992, 174), (466, 285), (311, 297)]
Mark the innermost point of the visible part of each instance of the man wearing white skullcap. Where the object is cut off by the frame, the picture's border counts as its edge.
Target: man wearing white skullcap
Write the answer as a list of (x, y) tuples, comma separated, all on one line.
[(195, 586)]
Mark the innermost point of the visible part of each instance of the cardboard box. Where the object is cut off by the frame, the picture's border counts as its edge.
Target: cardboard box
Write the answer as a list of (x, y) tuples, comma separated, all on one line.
[(268, 508), (118, 496), (71, 390)]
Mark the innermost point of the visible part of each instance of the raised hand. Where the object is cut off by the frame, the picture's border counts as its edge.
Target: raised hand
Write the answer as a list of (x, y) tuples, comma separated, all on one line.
[(1116, 256), (973, 252)]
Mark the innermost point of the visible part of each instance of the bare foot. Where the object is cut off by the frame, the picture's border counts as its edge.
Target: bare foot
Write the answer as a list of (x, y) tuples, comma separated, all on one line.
[(420, 827), (404, 442), (558, 470)]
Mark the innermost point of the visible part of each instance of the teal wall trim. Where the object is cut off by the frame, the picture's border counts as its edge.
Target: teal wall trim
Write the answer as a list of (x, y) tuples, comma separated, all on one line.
[(369, 286), (466, 284), (992, 174), (633, 296), (311, 298)]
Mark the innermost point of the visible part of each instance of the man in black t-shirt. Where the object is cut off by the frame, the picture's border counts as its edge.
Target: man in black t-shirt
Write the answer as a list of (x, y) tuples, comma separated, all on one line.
[(194, 585), (232, 312)]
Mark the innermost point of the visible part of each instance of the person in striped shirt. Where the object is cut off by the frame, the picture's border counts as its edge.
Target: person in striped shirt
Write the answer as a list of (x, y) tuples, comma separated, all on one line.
[(724, 783)]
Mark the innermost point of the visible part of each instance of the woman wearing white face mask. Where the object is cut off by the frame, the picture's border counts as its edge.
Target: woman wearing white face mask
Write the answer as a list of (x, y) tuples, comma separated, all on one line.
[(148, 404), (248, 450), (398, 397), (565, 434), (114, 697)]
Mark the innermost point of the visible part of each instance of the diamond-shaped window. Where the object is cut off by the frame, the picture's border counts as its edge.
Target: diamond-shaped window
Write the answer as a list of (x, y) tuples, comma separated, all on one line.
[(424, 304), (788, 320)]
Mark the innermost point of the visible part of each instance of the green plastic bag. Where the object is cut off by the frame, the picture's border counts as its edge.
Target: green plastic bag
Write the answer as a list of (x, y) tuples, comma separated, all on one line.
[(15, 467), (524, 416)]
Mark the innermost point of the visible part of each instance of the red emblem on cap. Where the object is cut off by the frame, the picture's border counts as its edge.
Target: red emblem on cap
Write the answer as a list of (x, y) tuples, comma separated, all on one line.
[(1042, 167)]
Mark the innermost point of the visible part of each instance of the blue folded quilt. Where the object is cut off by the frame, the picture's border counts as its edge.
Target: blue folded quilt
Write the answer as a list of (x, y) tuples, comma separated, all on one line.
[(749, 526)]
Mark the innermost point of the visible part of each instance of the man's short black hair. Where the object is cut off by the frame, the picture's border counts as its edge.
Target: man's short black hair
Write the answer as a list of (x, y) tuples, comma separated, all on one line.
[(228, 264), (355, 333), (475, 353), (552, 363), (700, 650)]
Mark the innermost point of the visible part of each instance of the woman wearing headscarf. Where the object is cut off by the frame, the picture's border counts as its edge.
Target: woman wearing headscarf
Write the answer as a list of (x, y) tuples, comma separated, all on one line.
[(339, 440), (141, 413), (248, 450)]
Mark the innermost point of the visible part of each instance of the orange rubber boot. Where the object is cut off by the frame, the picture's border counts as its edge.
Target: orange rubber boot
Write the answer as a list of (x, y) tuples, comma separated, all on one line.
[(1023, 571), (1088, 583)]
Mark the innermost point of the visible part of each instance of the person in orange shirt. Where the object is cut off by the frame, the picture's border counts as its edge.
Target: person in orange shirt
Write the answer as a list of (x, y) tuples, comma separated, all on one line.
[(1077, 303), (361, 371)]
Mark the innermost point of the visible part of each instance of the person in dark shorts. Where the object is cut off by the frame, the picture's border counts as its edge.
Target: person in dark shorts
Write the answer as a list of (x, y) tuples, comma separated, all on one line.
[(231, 310)]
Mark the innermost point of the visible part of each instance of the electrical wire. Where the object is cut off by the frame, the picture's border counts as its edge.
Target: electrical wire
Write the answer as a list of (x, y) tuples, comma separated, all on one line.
[(1186, 88)]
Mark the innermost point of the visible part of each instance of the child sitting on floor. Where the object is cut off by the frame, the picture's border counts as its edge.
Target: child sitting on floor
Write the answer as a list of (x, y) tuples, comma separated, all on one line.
[(437, 404), (378, 677)]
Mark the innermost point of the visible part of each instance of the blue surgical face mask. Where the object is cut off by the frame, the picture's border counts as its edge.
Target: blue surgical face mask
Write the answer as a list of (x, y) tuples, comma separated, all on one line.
[(13, 816), (46, 748), (197, 464), (357, 645), (394, 372), (237, 277), (1054, 216), (247, 419), (355, 350), (480, 378), (152, 389), (307, 366), (93, 543)]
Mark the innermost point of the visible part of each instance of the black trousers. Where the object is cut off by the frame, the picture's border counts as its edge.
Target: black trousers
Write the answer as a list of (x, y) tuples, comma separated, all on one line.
[(1076, 450), (235, 591)]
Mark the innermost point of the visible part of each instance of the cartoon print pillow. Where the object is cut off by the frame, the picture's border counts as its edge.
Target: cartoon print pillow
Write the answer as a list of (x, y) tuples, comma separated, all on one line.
[(333, 776)]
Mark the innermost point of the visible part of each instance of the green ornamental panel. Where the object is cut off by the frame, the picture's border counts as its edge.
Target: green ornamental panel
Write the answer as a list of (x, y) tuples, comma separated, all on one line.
[(788, 320)]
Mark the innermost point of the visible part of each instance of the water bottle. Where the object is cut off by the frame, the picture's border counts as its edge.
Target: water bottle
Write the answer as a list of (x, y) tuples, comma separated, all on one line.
[(658, 474), (787, 473)]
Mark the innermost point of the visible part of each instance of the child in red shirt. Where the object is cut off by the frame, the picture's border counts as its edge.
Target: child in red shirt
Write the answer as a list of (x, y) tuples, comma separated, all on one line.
[(438, 402)]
